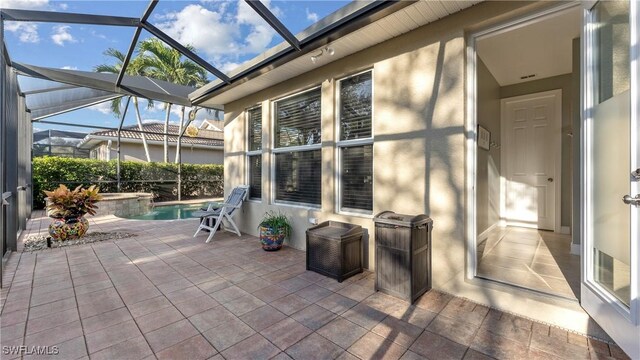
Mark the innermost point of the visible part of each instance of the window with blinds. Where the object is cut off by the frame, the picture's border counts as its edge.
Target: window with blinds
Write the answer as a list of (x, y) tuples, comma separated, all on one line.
[(298, 162), (254, 120), (254, 152), (298, 120), (355, 107), (255, 176), (298, 177), (357, 177), (355, 147)]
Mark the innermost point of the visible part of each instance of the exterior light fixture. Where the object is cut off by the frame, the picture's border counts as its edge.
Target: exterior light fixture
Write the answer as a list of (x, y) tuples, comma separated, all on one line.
[(327, 50)]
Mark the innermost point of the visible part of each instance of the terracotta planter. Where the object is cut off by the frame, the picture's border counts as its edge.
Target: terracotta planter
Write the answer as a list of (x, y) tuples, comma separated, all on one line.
[(68, 229), (271, 238)]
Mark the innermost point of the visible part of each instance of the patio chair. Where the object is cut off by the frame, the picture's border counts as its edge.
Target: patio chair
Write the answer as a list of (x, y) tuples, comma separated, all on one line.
[(217, 213)]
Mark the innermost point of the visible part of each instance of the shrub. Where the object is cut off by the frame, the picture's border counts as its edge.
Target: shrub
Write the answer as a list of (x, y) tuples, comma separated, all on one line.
[(158, 178), (65, 203)]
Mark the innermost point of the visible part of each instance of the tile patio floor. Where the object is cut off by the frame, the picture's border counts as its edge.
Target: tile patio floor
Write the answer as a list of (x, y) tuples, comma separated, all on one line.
[(166, 295)]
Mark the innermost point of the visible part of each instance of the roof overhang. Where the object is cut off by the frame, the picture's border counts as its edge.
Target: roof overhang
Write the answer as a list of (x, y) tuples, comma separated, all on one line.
[(366, 27), (346, 20)]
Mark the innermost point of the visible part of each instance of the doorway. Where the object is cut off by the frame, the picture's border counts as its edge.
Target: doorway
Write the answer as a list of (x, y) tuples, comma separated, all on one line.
[(527, 86)]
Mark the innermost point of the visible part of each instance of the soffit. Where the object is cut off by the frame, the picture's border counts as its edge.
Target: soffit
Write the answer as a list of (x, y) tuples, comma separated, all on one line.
[(396, 24)]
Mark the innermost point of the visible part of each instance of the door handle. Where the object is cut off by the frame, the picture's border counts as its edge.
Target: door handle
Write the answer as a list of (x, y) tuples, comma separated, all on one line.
[(550, 179), (627, 199)]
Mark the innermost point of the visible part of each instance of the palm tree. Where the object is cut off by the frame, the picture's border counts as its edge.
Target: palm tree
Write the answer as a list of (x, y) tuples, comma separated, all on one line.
[(164, 63), (134, 68)]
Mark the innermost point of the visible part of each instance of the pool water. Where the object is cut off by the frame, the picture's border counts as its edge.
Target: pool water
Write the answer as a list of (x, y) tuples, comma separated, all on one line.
[(170, 212)]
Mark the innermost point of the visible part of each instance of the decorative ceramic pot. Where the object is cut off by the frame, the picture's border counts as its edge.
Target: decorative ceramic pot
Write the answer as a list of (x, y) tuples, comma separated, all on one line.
[(68, 229), (271, 238)]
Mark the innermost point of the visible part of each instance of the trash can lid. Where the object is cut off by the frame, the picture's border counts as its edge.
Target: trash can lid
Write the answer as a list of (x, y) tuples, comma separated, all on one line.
[(390, 217)]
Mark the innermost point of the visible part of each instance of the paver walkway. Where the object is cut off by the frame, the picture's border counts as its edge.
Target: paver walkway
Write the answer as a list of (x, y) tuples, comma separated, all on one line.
[(166, 295)]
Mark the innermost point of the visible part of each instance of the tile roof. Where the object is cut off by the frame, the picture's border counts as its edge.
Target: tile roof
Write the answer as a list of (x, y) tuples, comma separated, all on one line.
[(204, 137)]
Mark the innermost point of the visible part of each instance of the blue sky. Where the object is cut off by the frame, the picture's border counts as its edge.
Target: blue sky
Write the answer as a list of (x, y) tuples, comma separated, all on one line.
[(225, 33)]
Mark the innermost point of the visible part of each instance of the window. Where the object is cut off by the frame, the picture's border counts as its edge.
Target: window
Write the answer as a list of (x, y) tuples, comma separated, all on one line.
[(355, 147), (297, 148), (254, 153)]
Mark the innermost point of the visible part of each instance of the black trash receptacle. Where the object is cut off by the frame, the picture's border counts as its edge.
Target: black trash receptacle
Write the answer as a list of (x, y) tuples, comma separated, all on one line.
[(403, 254), (334, 249)]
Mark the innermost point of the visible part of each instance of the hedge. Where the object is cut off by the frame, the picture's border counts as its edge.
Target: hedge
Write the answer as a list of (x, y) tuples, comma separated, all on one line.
[(158, 178)]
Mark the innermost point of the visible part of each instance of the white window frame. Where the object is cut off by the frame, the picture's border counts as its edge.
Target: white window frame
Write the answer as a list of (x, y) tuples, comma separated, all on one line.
[(249, 153), (341, 144), (290, 149)]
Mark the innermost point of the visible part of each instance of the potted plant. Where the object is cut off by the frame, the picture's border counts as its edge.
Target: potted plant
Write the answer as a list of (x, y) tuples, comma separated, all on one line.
[(68, 207), (274, 228)]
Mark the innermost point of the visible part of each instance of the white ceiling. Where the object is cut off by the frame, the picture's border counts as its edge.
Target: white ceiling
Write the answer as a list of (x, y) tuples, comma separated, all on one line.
[(542, 48)]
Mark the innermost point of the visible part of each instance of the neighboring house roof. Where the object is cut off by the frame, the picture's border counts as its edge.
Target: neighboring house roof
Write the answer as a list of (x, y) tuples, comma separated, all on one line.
[(205, 138)]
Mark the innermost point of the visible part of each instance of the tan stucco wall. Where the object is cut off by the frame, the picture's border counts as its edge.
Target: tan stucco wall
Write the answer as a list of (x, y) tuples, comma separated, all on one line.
[(419, 150), (135, 152)]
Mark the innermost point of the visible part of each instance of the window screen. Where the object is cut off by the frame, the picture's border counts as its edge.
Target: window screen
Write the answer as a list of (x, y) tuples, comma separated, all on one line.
[(298, 120), (298, 177), (254, 117), (255, 176), (355, 107), (356, 143), (357, 177)]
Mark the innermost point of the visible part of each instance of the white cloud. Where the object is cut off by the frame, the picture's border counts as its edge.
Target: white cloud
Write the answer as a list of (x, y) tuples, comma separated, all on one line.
[(25, 4), (61, 35), (63, 6), (218, 32), (104, 107), (26, 32), (228, 66), (69, 67), (311, 16), (206, 30)]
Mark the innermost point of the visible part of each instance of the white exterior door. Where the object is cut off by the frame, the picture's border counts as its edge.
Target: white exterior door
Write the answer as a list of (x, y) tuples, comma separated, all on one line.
[(611, 182), (531, 151)]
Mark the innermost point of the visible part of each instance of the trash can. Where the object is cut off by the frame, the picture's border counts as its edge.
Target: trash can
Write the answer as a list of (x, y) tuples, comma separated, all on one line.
[(334, 249), (403, 254)]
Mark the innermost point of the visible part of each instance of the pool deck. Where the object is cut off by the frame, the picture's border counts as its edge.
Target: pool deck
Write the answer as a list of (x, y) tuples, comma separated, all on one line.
[(166, 295)]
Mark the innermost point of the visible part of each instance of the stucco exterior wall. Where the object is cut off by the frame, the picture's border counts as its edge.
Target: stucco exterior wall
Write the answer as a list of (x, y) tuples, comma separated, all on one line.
[(135, 152), (419, 150), (418, 131)]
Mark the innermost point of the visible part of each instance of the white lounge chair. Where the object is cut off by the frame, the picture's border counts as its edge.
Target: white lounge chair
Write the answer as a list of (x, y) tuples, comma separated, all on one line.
[(219, 213)]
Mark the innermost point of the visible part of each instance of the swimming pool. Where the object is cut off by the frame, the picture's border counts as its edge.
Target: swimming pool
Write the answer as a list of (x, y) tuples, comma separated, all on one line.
[(169, 212)]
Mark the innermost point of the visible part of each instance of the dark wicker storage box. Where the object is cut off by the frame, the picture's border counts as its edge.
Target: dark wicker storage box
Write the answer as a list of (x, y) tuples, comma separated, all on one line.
[(334, 249), (403, 254)]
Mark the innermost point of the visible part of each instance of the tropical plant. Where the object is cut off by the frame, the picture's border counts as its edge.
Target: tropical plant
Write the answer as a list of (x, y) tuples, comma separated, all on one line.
[(64, 203), (164, 63), (276, 221), (135, 67)]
